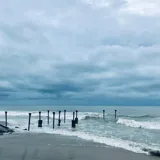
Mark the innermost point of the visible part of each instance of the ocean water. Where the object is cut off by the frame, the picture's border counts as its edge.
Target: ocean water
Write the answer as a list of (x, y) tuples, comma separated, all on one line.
[(136, 128)]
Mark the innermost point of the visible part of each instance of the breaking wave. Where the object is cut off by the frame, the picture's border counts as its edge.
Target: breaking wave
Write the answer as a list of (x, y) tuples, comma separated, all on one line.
[(140, 116), (140, 124)]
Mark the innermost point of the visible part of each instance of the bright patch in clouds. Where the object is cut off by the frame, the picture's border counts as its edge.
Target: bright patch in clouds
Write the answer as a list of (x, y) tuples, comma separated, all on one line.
[(146, 8), (80, 52)]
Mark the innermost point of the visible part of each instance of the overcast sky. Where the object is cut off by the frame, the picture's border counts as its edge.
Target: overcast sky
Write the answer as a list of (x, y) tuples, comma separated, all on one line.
[(80, 52)]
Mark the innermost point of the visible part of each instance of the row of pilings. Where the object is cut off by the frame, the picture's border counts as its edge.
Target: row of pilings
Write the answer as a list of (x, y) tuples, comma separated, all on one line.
[(74, 120)]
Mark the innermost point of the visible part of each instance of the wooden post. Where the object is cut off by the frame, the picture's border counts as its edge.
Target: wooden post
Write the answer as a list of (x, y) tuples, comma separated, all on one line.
[(103, 114), (115, 114), (48, 117), (59, 119), (53, 119), (73, 115), (64, 116), (76, 119), (73, 121), (40, 121), (29, 121), (39, 115), (6, 118)]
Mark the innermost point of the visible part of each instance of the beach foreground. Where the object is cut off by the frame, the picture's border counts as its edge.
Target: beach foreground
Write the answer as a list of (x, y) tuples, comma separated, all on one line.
[(49, 147)]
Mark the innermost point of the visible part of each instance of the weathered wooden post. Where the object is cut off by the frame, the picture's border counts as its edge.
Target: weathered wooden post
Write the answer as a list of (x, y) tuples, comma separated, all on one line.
[(48, 117), (39, 115), (59, 119), (64, 116), (53, 119), (73, 121), (103, 114), (40, 121), (76, 119), (6, 118), (29, 121), (115, 114)]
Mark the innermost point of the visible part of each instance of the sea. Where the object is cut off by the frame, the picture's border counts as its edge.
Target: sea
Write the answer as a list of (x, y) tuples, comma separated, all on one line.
[(136, 129)]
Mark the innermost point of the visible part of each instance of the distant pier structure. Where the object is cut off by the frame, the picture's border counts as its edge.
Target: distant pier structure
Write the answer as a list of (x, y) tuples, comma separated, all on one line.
[(74, 120)]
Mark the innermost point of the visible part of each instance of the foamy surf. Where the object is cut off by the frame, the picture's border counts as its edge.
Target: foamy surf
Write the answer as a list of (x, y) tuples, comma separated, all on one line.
[(121, 133), (112, 141), (127, 145), (69, 115), (140, 124)]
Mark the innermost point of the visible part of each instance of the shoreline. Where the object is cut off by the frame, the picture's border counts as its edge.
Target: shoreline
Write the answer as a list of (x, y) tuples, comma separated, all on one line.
[(48, 147)]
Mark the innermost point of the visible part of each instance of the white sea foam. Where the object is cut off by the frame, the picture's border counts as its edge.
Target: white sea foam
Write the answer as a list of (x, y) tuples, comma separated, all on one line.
[(20, 119), (140, 124), (110, 141), (14, 113), (114, 142), (69, 115)]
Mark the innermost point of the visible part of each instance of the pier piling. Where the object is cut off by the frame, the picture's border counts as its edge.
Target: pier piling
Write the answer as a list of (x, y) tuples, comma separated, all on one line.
[(76, 119), (64, 116), (48, 117), (73, 121), (59, 119), (29, 121), (6, 118), (53, 119), (103, 114), (40, 121), (115, 114), (39, 115)]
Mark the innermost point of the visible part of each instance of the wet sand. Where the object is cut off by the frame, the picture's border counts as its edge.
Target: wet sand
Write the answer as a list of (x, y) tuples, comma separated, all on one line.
[(56, 147)]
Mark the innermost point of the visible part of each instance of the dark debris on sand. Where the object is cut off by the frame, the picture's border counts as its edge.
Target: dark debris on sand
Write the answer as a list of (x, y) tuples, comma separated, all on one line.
[(152, 152), (4, 129)]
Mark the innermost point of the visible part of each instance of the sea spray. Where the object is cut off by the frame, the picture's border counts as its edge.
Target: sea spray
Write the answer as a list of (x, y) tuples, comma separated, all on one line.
[(140, 124)]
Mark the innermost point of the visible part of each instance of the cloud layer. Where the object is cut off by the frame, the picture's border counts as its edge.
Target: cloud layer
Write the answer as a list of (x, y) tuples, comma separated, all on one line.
[(80, 52)]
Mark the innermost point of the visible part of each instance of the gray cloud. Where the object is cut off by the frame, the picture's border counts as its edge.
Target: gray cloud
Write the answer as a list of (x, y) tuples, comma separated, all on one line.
[(80, 51)]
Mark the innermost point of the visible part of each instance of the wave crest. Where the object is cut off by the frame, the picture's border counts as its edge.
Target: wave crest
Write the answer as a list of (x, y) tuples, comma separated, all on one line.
[(139, 124)]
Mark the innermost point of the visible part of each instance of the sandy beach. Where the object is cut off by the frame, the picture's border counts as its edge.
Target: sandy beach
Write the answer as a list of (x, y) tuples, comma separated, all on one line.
[(49, 147)]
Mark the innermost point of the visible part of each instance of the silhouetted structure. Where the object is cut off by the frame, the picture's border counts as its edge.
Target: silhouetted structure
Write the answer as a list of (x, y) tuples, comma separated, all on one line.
[(40, 121), (103, 114), (48, 117), (53, 119), (115, 114), (73, 121), (76, 119), (29, 121), (64, 116), (59, 119), (6, 118)]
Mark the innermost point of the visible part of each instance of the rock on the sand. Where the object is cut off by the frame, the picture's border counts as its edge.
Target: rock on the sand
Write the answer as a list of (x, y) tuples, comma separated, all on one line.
[(4, 129)]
